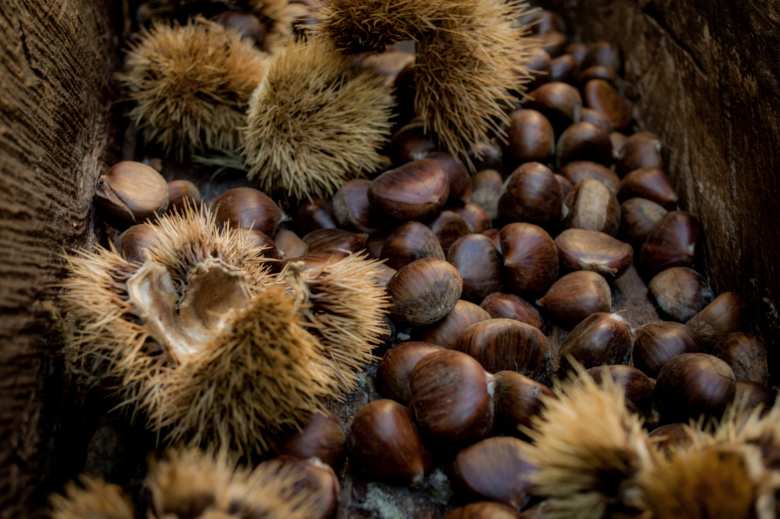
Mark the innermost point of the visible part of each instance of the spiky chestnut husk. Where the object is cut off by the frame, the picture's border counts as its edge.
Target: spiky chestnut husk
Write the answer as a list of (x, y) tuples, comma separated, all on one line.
[(192, 483), (471, 57), (181, 334), (191, 85), (588, 450), (345, 310), (314, 122), (94, 499)]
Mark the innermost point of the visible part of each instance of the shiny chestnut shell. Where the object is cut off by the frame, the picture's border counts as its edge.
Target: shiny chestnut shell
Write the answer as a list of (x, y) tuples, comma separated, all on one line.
[(671, 244), (248, 208), (657, 343), (601, 338), (321, 437), (581, 249), (532, 194), (530, 258), (479, 263), (409, 242), (576, 296), (425, 291), (413, 191), (649, 183), (509, 306), (531, 138), (518, 399), (395, 369), (448, 331)]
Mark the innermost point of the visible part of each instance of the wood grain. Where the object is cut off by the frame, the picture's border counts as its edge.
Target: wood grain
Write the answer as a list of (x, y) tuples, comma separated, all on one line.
[(55, 62)]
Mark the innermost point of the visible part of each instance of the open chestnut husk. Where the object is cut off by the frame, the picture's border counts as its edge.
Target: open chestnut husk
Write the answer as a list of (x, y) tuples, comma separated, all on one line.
[(530, 258), (657, 343), (532, 194), (637, 387), (576, 296), (638, 218), (580, 249), (395, 369), (518, 399), (531, 138), (409, 242), (600, 338), (385, 444), (649, 183), (747, 356), (584, 141), (680, 292), (593, 207), (479, 263), (413, 191), (321, 437), (448, 331), (495, 469), (424, 291), (451, 398), (722, 316), (505, 344), (510, 306), (671, 244), (248, 208), (692, 385)]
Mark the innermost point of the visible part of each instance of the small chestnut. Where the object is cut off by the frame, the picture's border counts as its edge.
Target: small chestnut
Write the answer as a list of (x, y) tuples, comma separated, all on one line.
[(602, 97), (593, 207), (564, 68), (545, 21), (136, 240), (553, 43), (518, 399), (409, 242), (448, 331), (531, 138), (599, 120), (413, 191), (247, 25), (392, 377), (487, 186), (641, 150), (313, 215), (638, 218), (475, 217), (559, 102), (532, 194), (448, 227), (530, 258), (722, 316), (578, 51), (584, 141), (325, 241), (248, 208), (657, 343), (671, 244), (510, 306), (411, 143), (636, 386), (486, 155), (672, 437), (385, 444), (680, 292), (600, 338), (425, 291), (351, 207), (289, 244), (575, 296), (538, 65), (451, 398), (131, 192), (182, 193), (458, 175), (581, 249), (580, 170), (747, 356), (603, 53), (649, 183), (322, 437), (479, 263)]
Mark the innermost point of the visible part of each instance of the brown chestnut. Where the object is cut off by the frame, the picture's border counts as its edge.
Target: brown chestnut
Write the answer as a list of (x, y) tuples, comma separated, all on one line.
[(641, 150), (495, 469), (553, 43), (531, 138), (487, 186), (486, 155), (672, 437), (598, 72), (694, 384), (671, 244), (479, 263), (530, 258), (603, 53), (599, 120), (747, 356), (722, 316), (752, 395), (385, 444), (409, 242), (136, 240), (680, 292), (506, 344), (425, 291), (324, 241), (545, 21), (602, 97), (321, 437), (458, 175), (411, 143), (313, 215), (566, 185), (581, 249), (638, 218), (601, 338), (538, 66), (413, 191), (564, 68), (451, 398), (289, 244), (580, 170), (474, 216), (532, 194), (618, 143), (131, 192), (395, 370), (510, 306), (247, 25), (261, 240), (649, 183), (248, 208), (351, 207), (578, 51), (182, 193), (636, 386), (518, 399), (484, 510), (559, 102), (575, 296), (448, 227), (593, 207), (584, 141), (448, 331), (657, 343)]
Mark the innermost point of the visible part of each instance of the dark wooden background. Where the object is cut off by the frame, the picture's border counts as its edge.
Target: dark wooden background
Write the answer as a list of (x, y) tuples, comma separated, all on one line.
[(704, 74)]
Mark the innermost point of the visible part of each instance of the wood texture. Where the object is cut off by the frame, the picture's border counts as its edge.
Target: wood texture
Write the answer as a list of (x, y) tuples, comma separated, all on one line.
[(706, 77), (55, 62)]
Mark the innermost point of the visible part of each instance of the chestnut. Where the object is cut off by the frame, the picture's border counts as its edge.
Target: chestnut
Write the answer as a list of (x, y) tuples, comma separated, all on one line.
[(351, 207), (479, 264), (261, 240), (593, 207), (313, 215), (448, 227), (530, 138), (425, 291), (559, 102), (636, 386), (657, 343), (580, 170), (495, 469), (566, 185), (578, 51), (747, 356), (487, 186), (545, 21), (575, 296), (553, 43), (486, 155), (289, 244), (638, 218), (584, 141), (131, 192), (641, 150), (530, 258), (506, 344), (182, 193), (451, 398), (649, 183), (475, 217), (409, 242), (602, 97), (518, 399), (532, 194), (680, 292), (722, 316), (484, 510), (672, 437), (458, 175), (671, 244), (136, 240), (564, 68), (383, 275), (510, 306), (410, 143), (603, 53), (325, 241), (248, 208), (581, 249), (618, 143), (392, 377), (538, 66), (694, 384), (385, 444), (607, 74), (600, 338), (413, 191), (599, 120), (448, 331), (321, 437)]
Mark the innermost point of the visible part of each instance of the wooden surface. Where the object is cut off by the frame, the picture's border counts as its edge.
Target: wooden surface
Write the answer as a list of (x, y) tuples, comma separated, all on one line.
[(55, 59), (706, 77)]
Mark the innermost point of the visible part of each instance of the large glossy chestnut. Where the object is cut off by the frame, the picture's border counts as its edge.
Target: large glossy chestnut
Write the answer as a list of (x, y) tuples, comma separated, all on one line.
[(510, 306), (248, 208), (530, 258), (593, 207), (638, 218), (576, 296), (395, 369), (649, 183), (409, 242), (657, 343), (449, 330), (531, 138), (603, 97), (601, 338), (671, 244), (425, 291), (532, 194), (559, 102), (413, 191), (479, 263), (584, 141), (518, 399)]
